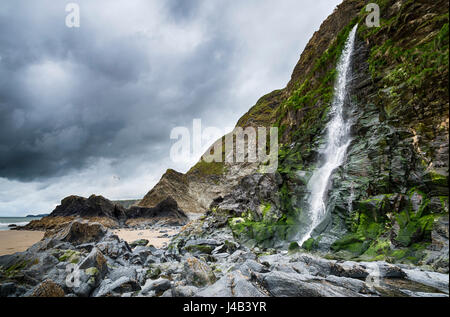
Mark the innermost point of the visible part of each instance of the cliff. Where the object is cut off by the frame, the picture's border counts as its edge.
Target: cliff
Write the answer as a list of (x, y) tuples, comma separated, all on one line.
[(389, 199)]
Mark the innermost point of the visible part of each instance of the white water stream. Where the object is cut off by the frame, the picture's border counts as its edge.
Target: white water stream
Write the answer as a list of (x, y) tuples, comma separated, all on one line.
[(337, 142)]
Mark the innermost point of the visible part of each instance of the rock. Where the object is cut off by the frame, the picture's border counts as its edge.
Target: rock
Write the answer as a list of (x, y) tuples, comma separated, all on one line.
[(80, 232), (437, 280), (122, 285), (127, 271), (167, 209), (48, 288), (197, 272), (95, 259), (251, 266), (281, 284), (349, 269), (240, 256), (158, 286), (94, 206), (422, 294), (140, 255), (270, 260), (227, 247), (140, 242), (113, 247), (233, 284), (42, 263), (184, 291), (355, 285), (383, 269), (7, 289)]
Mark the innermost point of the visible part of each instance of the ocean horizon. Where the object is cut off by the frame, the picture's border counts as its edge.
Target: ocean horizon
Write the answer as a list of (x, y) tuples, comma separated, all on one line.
[(19, 221)]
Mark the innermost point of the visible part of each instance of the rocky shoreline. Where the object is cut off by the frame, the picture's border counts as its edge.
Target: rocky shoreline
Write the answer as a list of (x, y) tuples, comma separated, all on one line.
[(86, 259)]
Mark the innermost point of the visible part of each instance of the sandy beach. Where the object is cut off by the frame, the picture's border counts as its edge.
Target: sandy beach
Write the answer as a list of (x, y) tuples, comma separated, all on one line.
[(155, 236), (12, 241)]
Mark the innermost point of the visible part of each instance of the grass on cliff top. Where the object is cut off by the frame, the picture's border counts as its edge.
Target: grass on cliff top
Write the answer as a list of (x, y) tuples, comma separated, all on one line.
[(203, 168)]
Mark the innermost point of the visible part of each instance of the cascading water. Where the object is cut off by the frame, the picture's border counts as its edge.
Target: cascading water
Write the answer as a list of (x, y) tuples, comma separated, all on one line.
[(337, 142)]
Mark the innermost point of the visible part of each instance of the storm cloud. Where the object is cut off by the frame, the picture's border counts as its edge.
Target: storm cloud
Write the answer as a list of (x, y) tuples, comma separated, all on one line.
[(89, 110)]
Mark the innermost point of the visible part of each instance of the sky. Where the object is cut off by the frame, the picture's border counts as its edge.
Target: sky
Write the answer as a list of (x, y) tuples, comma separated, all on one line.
[(89, 110)]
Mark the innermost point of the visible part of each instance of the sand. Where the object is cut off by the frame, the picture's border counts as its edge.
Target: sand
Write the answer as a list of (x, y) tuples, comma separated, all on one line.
[(12, 241), (152, 235)]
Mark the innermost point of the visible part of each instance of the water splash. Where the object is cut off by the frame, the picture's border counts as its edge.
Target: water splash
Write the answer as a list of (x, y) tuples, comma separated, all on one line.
[(337, 142)]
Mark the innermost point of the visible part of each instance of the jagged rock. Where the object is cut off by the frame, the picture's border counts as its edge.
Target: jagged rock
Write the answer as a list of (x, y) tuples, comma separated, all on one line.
[(167, 208), (7, 289), (96, 260), (94, 206), (184, 291), (433, 279), (352, 284), (113, 247), (79, 232), (48, 288), (122, 285), (127, 271), (197, 272), (296, 285), (231, 285), (158, 286), (140, 242)]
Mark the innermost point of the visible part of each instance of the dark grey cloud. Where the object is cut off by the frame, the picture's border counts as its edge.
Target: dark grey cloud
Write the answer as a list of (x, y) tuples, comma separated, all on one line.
[(104, 97)]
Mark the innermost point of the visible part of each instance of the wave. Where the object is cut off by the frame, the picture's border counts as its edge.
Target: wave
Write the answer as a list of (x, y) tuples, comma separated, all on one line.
[(4, 226)]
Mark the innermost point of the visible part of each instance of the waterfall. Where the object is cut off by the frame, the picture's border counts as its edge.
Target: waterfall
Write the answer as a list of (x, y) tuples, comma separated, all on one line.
[(337, 141)]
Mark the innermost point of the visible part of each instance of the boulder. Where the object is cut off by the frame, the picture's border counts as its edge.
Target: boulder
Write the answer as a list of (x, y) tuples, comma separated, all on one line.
[(140, 242), (197, 272), (184, 291), (158, 286), (79, 232), (95, 259), (122, 285), (48, 288), (233, 284)]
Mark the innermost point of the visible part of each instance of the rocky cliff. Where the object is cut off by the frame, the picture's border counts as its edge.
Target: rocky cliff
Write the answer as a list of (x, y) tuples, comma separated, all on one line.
[(110, 214), (389, 200)]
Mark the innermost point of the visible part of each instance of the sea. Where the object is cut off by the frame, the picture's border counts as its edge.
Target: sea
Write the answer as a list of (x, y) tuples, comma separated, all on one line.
[(20, 221)]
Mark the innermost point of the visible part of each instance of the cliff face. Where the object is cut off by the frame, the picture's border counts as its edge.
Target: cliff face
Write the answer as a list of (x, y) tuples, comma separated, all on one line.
[(389, 199), (196, 190)]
